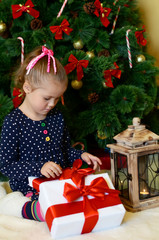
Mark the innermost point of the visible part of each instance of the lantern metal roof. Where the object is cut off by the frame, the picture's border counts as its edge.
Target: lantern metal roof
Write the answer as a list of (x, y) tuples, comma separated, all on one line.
[(136, 136)]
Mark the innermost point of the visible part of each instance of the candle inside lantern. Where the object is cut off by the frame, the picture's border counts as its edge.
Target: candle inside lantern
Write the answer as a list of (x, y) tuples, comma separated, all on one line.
[(144, 193)]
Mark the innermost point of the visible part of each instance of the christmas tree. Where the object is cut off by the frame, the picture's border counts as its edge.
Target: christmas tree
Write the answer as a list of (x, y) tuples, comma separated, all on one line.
[(102, 45)]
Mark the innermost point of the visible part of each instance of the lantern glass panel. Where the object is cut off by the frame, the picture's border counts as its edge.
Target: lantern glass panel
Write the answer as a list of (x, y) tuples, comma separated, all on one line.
[(121, 174), (148, 169)]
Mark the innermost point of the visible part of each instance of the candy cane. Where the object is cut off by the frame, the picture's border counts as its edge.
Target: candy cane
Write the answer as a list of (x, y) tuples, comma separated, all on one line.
[(62, 8), (128, 47), (22, 49), (114, 3), (115, 20)]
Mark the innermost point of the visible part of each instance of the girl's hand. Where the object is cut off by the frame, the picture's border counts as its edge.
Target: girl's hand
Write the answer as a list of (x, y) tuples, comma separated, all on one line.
[(91, 159), (51, 169)]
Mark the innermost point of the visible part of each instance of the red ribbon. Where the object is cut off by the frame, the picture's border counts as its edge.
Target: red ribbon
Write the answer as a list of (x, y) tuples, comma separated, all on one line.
[(76, 174), (97, 189), (19, 96), (18, 9), (111, 72), (58, 30), (101, 12), (75, 63), (140, 38)]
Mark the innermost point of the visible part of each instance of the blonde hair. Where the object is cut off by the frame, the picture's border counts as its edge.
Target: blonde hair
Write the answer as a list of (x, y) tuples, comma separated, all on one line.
[(38, 73)]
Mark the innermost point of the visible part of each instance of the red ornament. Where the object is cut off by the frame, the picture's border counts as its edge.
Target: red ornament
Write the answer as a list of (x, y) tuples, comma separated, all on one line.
[(140, 38), (58, 30), (18, 9), (101, 12), (111, 72), (75, 63), (19, 96)]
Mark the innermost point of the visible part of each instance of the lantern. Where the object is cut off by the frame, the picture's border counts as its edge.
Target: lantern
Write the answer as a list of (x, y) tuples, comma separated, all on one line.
[(135, 167)]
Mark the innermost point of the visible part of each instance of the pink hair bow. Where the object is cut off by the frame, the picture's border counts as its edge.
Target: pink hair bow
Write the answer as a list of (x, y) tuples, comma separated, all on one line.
[(45, 52)]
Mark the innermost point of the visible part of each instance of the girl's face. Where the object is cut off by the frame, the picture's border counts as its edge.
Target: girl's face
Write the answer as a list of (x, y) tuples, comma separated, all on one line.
[(43, 98)]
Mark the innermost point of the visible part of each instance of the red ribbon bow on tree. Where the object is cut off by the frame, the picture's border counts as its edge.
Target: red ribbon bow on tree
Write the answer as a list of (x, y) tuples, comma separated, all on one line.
[(19, 96), (76, 174), (75, 63), (18, 9), (140, 38), (111, 72), (62, 28), (101, 12), (97, 189)]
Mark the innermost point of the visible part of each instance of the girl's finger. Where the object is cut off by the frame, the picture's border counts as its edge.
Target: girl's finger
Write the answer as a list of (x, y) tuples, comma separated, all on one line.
[(50, 173)]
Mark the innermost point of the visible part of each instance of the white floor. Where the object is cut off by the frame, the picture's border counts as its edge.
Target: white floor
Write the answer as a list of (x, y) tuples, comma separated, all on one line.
[(136, 226)]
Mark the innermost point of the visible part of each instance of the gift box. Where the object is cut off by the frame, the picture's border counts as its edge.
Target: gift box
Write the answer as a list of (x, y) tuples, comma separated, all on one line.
[(70, 210)]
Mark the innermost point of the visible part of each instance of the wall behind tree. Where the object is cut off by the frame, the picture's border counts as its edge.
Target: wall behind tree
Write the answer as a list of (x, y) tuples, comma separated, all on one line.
[(150, 14)]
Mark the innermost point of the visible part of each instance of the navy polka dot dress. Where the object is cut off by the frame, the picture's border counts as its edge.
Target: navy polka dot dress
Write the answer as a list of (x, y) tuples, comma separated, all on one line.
[(26, 145)]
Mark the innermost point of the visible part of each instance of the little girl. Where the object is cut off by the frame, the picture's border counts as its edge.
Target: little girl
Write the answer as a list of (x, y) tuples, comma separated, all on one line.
[(34, 137)]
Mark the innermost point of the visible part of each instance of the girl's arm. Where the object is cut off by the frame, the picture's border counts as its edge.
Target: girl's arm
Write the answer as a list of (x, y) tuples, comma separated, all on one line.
[(72, 154), (11, 163)]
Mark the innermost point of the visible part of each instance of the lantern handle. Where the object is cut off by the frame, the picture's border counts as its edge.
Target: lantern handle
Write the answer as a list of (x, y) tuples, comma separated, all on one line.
[(136, 121)]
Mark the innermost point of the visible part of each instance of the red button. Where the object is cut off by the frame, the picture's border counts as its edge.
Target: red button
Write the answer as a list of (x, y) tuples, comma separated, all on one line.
[(45, 131)]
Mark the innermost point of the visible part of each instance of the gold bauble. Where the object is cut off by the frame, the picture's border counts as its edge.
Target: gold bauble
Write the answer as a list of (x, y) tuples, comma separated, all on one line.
[(76, 84), (90, 54), (101, 135), (78, 44), (140, 58), (3, 27)]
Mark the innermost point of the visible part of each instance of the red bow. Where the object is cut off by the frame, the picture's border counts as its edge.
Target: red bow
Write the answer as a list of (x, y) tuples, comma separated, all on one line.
[(75, 63), (76, 174), (140, 38), (101, 12), (97, 189), (18, 9), (62, 28), (111, 72), (19, 96)]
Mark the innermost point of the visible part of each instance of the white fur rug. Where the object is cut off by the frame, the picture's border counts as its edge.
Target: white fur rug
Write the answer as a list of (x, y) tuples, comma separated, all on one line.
[(136, 226), (142, 225)]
